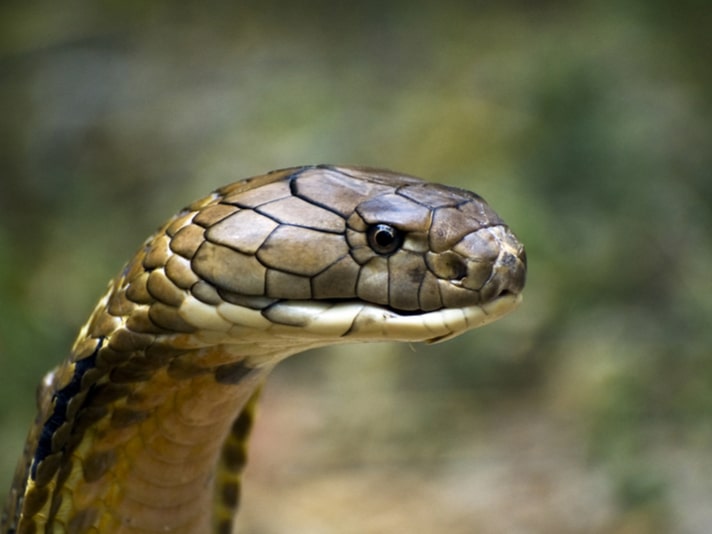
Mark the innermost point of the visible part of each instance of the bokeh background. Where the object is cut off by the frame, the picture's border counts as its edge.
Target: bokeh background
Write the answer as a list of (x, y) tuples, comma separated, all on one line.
[(585, 124)]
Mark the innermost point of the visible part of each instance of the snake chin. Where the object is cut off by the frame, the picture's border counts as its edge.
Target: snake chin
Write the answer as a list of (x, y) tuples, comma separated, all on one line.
[(480, 315)]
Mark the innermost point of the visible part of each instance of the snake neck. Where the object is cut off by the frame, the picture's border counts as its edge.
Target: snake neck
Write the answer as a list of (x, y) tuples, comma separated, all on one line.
[(144, 433)]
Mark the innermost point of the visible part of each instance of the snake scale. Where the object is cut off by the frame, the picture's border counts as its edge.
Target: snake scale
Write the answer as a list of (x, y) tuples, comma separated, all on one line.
[(143, 428)]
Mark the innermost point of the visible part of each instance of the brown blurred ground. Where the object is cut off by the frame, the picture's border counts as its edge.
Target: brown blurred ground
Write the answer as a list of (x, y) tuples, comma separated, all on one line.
[(586, 125)]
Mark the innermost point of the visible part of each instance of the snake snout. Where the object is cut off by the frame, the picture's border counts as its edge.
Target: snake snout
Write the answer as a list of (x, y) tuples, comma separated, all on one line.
[(508, 271), (484, 265), (495, 263)]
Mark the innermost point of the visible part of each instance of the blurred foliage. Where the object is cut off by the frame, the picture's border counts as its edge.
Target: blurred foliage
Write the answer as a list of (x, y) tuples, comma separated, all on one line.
[(586, 125)]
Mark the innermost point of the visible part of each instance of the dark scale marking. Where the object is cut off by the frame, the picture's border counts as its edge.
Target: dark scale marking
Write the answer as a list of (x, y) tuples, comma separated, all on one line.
[(47, 468), (232, 373), (124, 417), (230, 494), (103, 394), (86, 418), (225, 527), (60, 400), (130, 373), (235, 458), (243, 424)]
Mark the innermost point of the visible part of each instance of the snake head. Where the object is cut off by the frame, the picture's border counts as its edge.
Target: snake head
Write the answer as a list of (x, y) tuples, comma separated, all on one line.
[(330, 254)]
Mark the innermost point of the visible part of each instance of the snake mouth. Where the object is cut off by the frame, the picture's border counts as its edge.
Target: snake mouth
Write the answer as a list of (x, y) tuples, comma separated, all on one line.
[(358, 321), (432, 326)]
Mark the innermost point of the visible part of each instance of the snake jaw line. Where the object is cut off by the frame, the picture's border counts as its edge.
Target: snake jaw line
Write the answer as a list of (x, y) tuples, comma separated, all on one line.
[(322, 323)]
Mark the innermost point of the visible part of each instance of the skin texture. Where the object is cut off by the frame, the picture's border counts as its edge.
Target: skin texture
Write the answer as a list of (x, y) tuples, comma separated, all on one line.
[(144, 428)]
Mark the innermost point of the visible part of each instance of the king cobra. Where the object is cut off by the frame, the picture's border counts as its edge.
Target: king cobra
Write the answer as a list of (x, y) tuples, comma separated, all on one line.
[(143, 428)]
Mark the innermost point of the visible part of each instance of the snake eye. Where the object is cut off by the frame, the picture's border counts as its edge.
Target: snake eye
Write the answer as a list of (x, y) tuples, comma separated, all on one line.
[(384, 238)]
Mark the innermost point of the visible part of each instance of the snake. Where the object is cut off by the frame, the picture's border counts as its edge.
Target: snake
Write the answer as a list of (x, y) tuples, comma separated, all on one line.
[(144, 427)]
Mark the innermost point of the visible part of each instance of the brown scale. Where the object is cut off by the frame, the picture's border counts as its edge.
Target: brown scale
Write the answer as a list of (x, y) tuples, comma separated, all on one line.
[(150, 408)]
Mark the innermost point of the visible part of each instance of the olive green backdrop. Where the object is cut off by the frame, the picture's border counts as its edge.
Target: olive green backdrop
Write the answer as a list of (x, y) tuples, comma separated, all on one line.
[(586, 125)]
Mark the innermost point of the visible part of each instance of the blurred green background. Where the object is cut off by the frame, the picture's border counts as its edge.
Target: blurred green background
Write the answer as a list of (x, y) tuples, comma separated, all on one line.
[(585, 124)]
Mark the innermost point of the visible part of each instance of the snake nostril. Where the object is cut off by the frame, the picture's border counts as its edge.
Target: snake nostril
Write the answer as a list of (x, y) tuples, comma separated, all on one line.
[(459, 270), (447, 265)]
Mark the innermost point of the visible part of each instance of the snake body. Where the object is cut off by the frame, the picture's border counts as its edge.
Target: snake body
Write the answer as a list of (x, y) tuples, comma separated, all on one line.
[(143, 428)]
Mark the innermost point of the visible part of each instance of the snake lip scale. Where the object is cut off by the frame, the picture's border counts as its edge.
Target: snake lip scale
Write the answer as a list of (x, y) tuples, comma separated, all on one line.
[(144, 427)]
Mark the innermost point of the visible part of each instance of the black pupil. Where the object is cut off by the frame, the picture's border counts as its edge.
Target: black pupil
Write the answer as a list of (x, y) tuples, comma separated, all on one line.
[(384, 239)]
